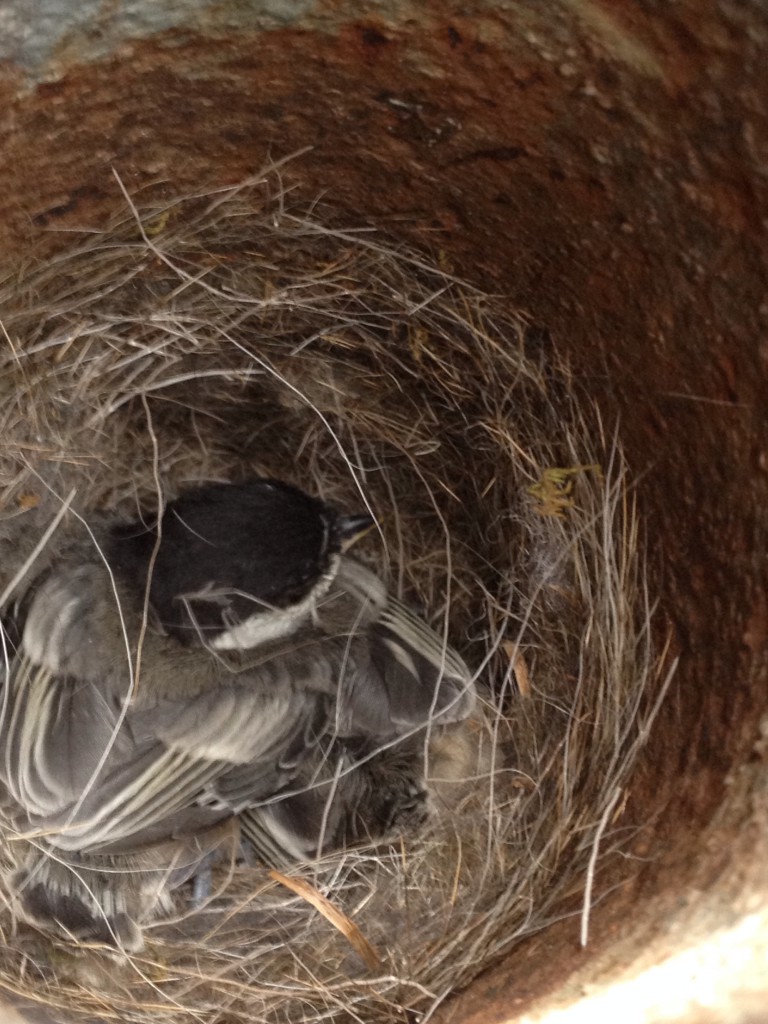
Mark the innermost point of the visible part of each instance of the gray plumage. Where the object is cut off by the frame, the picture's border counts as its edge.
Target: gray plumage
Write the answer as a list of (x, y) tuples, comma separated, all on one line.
[(129, 743)]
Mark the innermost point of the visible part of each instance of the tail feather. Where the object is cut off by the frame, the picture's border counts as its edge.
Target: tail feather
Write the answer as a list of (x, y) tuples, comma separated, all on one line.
[(77, 903), (108, 898)]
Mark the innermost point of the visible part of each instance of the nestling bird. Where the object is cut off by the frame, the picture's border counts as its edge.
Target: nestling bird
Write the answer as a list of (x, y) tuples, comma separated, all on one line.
[(227, 662)]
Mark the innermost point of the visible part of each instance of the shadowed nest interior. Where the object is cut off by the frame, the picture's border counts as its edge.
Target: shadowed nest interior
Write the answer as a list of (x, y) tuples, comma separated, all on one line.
[(235, 333)]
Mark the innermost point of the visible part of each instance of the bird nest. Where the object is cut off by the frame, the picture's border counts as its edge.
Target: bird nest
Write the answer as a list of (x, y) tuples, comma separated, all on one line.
[(236, 333)]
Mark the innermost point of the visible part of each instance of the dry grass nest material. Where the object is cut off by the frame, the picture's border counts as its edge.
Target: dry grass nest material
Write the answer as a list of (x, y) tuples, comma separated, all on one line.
[(235, 333)]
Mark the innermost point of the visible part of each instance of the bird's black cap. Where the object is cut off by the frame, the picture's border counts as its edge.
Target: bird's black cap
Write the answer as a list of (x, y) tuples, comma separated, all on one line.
[(227, 550)]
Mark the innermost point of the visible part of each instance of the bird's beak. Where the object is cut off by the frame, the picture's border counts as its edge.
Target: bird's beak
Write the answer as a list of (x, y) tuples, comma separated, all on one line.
[(352, 528)]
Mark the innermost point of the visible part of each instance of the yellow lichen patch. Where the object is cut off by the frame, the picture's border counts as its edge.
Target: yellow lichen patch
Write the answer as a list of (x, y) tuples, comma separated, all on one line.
[(553, 492)]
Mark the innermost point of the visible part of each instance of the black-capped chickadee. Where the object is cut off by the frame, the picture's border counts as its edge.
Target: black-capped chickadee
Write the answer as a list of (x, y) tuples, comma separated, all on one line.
[(228, 661)]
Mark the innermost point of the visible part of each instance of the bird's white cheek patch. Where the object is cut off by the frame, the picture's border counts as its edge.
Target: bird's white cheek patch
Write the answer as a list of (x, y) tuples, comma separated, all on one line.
[(275, 623), (260, 629)]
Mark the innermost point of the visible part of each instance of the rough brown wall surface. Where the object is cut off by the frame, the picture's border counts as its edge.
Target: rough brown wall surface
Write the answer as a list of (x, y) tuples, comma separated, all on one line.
[(603, 166)]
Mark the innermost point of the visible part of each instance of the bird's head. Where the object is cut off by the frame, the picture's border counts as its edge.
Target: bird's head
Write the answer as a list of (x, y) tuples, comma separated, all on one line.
[(237, 565)]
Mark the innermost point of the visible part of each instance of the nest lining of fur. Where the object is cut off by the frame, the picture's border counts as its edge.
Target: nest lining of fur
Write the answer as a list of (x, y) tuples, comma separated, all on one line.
[(236, 333)]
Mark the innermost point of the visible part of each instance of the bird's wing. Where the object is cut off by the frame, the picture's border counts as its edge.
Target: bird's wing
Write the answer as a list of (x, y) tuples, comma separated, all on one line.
[(400, 675), (95, 761), (99, 755)]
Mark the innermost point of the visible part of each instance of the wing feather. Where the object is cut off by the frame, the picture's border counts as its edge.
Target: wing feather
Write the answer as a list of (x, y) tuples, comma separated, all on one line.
[(92, 773), (201, 736)]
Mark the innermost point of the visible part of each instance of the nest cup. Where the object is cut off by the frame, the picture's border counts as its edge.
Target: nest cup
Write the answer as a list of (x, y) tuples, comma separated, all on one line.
[(243, 332)]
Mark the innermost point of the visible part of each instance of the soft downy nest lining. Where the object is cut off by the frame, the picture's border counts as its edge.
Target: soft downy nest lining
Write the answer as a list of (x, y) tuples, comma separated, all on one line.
[(237, 332)]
